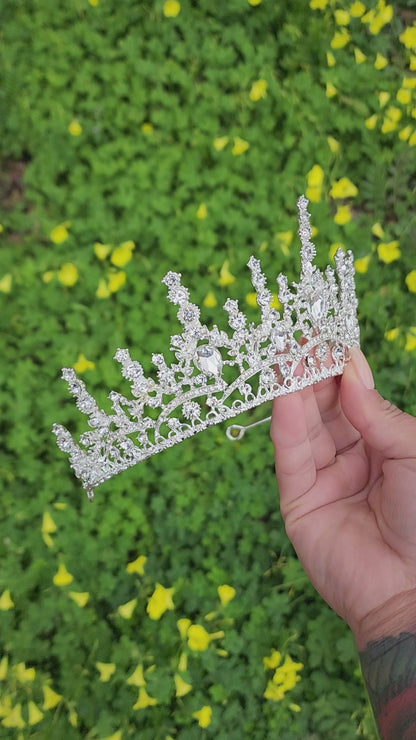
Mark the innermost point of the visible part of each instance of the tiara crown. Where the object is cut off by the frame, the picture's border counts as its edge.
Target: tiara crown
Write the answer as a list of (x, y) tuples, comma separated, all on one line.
[(217, 375)]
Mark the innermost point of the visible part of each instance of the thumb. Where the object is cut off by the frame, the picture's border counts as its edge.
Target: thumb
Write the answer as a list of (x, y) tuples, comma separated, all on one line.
[(381, 424)]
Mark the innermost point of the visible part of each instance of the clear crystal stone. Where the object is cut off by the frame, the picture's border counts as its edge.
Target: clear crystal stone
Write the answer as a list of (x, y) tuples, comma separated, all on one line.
[(279, 340), (208, 360), (338, 352), (317, 308)]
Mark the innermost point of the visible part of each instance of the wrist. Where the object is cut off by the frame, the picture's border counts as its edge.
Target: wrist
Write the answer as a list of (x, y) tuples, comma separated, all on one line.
[(395, 616)]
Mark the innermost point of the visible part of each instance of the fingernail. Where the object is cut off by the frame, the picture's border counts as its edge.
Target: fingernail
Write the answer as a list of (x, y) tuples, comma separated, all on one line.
[(362, 368)]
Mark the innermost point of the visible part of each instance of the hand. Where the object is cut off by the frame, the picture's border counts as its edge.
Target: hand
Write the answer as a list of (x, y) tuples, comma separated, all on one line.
[(346, 472)]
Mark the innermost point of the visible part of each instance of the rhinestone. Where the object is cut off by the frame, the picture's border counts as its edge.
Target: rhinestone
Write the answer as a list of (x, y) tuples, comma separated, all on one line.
[(208, 360), (317, 309)]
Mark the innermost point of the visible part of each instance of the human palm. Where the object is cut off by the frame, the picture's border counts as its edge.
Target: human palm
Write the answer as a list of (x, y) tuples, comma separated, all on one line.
[(346, 471)]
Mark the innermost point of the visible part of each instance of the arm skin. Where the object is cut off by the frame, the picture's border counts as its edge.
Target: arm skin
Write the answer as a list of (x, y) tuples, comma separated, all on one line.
[(346, 472)]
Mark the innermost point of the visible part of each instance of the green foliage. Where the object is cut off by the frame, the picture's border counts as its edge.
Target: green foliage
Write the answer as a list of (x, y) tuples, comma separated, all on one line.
[(110, 116)]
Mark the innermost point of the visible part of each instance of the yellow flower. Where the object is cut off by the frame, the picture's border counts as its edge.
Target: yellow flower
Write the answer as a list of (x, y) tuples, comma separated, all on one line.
[(82, 364), (254, 2), (1, 228), (220, 142), (210, 300), (371, 122), (411, 340), (102, 290), (144, 700), (408, 82), (68, 274), (14, 718), (330, 59), (285, 239), (60, 506), (116, 280), (6, 601), (343, 188), (137, 678), (171, 8), (251, 299), (340, 39), (391, 334), (183, 662), (361, 264), (35, 715), (343, 215), (6, 283), (101, 250), (388, 252), (383, 15), (240, 146), (75, 128), (183, 626), (333, 144), (383, 98), (330, 90), (225, 278), (50, 697), (122, 254), (137, 566), (226, 594), (314, 178), (126, 610), (201, 211), (404, 96), (377, 230), (62, 577), (182, 687), (4, 664), (198, 637), (272, 661), (24, 674), (80, 597), (410, 281), (48, 276), (73, 717), (393, 115), (160, 601), (275, 303), (357, 9), (60, 233), (359, 56), (412, 139), (48, 526), (318, 4), (404, 133), (380, 61), (258, 90), (342, 17), (203, 716), (147, 128), (105, 670), (284, 679), (115, 736)]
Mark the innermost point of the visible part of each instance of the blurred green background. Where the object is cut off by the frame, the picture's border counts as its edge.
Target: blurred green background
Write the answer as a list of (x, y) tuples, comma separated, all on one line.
[(137, 138)]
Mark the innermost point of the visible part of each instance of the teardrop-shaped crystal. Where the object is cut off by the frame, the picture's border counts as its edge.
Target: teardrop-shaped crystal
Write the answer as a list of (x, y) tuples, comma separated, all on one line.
[(208, 360), (317, 308)]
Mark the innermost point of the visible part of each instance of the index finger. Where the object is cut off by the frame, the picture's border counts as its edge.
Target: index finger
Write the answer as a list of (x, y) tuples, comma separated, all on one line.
[(295, 463)]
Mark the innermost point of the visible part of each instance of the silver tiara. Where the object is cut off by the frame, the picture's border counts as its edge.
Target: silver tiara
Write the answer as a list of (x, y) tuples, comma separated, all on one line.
[(219, 374)]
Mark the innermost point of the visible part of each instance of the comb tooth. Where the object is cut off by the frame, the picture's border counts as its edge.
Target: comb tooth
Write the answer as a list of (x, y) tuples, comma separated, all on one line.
[(216, 375)]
